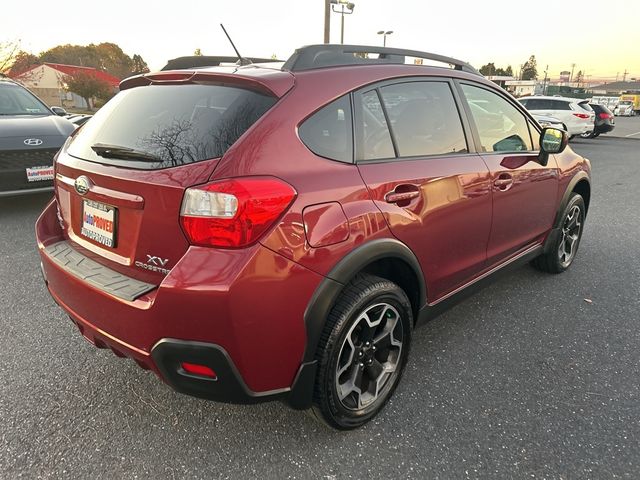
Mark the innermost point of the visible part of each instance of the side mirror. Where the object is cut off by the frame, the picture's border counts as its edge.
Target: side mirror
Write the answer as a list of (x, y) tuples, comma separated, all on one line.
[(61, 112), (552, 140)]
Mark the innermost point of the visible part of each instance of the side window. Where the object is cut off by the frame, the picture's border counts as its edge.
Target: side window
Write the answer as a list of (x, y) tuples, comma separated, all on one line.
[(376, 139), (537, 104), (328, 132), (560, 105), (501, 127), (424, 119)]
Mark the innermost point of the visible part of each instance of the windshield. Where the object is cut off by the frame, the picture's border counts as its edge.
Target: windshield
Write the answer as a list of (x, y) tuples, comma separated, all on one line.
[(15, 100), (171, 124)]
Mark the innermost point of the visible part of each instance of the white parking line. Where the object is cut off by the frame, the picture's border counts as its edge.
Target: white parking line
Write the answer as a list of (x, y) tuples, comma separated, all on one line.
[(632, 134)]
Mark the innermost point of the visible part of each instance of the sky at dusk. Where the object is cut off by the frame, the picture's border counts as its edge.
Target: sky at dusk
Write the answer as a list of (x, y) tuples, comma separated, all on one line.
[(504, 32)]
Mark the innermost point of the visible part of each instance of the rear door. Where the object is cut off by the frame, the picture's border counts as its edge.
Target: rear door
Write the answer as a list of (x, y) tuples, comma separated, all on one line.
[(121, 180), (434, 192), (524, 191)]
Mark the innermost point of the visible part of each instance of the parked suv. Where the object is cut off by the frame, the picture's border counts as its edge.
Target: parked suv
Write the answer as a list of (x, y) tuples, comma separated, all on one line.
[(30, 136), (604, 122), (575, 113), (276, 232)]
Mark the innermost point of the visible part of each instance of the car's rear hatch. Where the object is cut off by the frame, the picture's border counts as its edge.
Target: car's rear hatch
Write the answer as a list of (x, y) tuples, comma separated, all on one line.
[(121, 180)]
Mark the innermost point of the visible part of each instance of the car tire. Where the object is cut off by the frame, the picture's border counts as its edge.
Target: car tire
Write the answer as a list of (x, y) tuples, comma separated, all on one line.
[(590, 134), (362, 352), (597, 134), (571, 137), (557, 259)]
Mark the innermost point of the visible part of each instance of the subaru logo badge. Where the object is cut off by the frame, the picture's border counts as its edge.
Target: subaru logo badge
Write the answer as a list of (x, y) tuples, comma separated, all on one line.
[(32, 142), (82, 185)]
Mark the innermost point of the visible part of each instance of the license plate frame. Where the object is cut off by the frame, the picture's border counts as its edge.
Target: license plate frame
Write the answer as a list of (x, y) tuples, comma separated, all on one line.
[(99, 222)]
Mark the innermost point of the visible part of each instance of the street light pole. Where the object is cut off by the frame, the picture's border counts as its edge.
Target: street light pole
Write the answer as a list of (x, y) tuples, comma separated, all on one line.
[(384, 36), (327, 20)]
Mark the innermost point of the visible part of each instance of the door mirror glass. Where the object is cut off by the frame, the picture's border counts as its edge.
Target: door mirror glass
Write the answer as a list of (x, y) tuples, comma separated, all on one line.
[(61, 112), (553, 140)]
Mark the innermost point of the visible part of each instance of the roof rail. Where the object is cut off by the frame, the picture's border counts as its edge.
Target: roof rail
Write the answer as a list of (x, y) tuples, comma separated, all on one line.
[(311, 57)]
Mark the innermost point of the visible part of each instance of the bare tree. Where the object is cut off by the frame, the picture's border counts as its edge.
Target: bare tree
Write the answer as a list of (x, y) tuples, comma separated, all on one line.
[(8, 52)]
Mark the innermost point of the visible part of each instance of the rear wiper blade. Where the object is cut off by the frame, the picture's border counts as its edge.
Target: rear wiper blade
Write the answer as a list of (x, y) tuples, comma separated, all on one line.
[(115, 151)]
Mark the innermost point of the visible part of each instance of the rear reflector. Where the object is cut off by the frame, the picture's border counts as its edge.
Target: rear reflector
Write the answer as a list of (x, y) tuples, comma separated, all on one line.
[(582, 115), (200, 370), (604, 116), (234, 213)]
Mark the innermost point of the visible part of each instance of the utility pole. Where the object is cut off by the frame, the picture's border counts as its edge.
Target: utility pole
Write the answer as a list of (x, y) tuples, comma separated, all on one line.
[(624, 76), (544, 82), (327, 20), (573, 66)]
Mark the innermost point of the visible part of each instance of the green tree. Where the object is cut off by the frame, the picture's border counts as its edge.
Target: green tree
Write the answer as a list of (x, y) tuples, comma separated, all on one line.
[(579, 77), (88, 86), (488, 69), (72, 55), (139, 65), (509, 71), (197, 52), (104, 56), (22, 62), (529, 69)]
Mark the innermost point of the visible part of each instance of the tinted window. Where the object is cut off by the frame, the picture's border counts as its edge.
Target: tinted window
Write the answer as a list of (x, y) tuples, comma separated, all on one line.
[(173, 124), (560, 105), (15, 100), (376, 139), (328, 132), (538, 104), (424, 119), (501, 126)]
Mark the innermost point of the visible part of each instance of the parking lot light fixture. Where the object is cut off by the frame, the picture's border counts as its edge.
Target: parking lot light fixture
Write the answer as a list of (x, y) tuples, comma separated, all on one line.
[(346, 8), (384, 36)]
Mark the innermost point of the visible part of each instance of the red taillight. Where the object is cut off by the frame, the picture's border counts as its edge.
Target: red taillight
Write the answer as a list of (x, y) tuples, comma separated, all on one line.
[(604, 116), (201, 370), (582, 115), (235, 212)]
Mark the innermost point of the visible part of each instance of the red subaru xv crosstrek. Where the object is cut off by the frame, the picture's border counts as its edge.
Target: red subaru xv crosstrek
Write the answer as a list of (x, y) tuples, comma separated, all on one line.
[(276, 232)]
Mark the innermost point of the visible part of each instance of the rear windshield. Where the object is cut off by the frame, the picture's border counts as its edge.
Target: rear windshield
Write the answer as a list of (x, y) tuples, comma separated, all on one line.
[(162, 126)]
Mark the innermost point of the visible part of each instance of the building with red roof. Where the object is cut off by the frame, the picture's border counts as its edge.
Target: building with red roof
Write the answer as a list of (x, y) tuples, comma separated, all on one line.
[(48, 81)]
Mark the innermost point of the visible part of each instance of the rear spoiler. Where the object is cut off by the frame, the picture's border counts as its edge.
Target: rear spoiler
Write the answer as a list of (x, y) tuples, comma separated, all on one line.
[(265, 80)]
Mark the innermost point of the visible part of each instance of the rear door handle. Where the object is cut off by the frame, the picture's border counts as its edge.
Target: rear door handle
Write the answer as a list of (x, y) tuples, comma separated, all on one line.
[(402, 193), (503, 182)]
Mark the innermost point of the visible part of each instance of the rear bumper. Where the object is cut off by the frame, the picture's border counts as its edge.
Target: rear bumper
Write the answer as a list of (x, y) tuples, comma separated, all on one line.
[(243, 309), (580, 128), (604, 128)]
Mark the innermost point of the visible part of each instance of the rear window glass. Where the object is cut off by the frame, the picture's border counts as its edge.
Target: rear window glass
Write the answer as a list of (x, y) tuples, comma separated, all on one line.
[(376, 140), (328, 132), (162, 126)]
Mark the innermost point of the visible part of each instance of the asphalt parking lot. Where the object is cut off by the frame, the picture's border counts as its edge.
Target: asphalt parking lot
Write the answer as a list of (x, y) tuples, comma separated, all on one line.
[(537, 376), (626, 127)]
